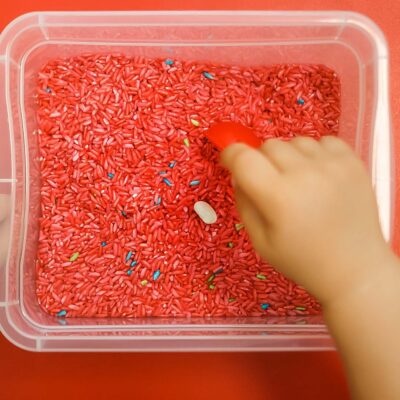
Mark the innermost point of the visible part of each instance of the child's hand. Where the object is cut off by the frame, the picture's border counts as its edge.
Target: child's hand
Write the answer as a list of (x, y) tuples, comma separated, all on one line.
[(310, 210)]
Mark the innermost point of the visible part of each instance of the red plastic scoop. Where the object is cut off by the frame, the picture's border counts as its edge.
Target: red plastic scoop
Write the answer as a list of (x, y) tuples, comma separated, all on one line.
[(225, 133)]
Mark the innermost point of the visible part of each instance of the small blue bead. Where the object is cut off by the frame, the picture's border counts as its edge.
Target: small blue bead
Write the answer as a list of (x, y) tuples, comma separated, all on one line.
[(265, 306), (156, 274), (208, 75), (103, 244), (129, 272), (158, 201), (167, 181), (300, 101), (169, 61), (128, 256), (194, 183), (123, 213), (62, 313), (172, 164), (110, 175), (133, 263)]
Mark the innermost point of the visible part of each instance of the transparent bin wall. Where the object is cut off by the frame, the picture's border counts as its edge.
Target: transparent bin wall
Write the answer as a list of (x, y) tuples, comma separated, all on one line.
[(345, 42)]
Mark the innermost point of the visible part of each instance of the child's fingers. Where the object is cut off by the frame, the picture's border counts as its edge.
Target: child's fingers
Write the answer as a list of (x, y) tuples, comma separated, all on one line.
[(252, 172), (306, 145), (281, 154), (254, 222), (4, 206), (335, 145)]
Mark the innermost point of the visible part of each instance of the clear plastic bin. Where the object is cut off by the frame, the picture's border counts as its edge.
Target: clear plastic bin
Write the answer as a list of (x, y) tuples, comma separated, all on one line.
[(349, 43)]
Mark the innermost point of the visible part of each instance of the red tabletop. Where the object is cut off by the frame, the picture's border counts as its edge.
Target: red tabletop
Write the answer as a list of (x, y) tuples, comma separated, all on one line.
[(230, 376)]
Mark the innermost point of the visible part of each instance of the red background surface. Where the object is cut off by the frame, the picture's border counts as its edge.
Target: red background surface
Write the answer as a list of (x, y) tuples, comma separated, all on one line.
[(231, 376)]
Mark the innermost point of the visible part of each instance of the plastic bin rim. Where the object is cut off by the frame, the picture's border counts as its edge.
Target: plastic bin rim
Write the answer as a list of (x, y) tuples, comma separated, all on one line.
[(359, 20)]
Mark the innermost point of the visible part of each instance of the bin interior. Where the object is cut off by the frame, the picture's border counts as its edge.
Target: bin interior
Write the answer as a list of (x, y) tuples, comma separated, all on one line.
[(246, 40)]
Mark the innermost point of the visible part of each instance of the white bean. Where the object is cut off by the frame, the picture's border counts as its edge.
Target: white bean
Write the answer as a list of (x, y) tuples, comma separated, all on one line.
[(205, 212)]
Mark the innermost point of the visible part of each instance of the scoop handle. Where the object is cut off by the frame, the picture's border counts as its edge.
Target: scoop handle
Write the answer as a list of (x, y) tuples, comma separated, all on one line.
[(224, 134)]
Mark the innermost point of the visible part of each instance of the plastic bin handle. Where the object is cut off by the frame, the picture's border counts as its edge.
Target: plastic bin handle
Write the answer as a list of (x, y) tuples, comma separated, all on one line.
[(6, 181)]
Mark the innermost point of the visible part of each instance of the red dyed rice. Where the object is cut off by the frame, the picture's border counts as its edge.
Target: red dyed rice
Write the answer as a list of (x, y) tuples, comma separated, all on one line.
[(129, 117)]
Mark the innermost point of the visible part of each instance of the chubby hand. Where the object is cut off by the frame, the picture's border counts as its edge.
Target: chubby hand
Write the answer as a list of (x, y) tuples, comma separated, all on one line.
[(310, 210)]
